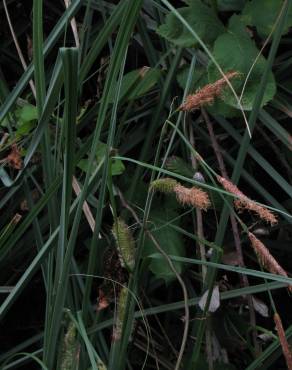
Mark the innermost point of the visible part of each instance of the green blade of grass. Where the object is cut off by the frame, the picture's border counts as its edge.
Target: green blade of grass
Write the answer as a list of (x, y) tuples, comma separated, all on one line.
[(41, 255), (69, 57)]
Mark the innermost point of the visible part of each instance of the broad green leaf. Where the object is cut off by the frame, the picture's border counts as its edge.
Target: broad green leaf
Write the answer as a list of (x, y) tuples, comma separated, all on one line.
[(178, 165), (169, 240), (263, 14), (199, 77), (220, 108), (200, 17), (228, 5), (237, 43), (27, 119), (117, 167), (137, 83), (27, 113)]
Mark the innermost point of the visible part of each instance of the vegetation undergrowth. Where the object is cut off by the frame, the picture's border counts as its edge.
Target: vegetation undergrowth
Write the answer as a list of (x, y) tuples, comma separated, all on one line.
[(146, 184)]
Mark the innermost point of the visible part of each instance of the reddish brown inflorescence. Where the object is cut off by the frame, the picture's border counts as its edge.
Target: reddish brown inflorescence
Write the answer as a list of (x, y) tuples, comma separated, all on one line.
[(265, 257), (243, 202), (207, 94), (283, 341), (192, 196)]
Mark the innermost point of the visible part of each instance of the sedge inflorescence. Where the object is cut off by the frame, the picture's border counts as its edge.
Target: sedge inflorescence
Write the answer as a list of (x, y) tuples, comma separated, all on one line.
[(207, 94), (265, 257), (186, 196), (125, 243), (243, 202), (283, 341)]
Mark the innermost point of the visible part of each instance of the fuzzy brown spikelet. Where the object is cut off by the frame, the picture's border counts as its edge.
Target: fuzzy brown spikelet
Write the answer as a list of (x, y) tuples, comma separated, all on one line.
[(14, 158), (192, 196), (245, 203), (265, 257), (283, 341), (206, 94)]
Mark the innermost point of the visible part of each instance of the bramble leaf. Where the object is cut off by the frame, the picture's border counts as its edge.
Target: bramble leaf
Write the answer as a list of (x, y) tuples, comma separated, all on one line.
[(235, 51), (263, 14), (168, 239), (200, 17)]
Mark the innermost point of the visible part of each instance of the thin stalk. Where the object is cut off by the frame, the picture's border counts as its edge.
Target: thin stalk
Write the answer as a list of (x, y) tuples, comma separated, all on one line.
[(234, 226)]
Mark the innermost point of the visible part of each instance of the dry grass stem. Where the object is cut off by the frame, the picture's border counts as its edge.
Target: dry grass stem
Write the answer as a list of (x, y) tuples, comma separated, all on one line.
[(246, 203), (207, 94), (265, 257), (283, 341)]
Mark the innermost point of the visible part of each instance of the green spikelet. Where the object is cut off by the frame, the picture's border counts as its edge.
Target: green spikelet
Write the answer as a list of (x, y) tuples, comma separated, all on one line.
[(69, 357), (165, 185), (120, 313), (125, 243)]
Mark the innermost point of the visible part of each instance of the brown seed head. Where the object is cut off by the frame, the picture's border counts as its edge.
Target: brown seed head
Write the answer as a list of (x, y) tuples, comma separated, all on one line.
[(207, 94), (265, 257), (246, 203), (14, 158), (283, 341), (192, 196)]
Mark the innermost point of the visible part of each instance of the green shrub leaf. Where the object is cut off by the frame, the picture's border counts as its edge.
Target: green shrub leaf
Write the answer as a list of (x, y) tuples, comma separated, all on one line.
[(200, 17), (137, 83), (235, 51), (26, 119), (117, 167), (263, 14), (168, 239), (228, 5)]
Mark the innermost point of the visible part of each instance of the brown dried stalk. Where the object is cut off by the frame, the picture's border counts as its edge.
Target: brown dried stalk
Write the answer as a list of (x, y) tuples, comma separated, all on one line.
[(265, 257), (246, 203), (283, 341), (207, 94)]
